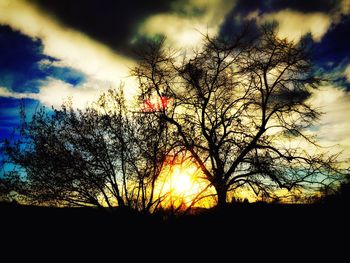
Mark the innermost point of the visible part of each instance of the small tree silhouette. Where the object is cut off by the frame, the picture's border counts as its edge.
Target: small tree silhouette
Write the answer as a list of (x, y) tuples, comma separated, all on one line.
[(104, 155)]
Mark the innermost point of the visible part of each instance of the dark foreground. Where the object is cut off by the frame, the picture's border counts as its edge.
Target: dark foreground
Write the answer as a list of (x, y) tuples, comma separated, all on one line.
[(262, 225), (260, 217)]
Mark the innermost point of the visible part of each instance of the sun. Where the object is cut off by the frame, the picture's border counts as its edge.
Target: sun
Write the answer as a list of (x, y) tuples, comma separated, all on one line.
[(180, 184), (182, 180)]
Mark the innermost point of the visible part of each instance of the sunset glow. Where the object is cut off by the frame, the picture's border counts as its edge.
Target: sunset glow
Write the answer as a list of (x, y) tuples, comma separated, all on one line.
[(181, 184)]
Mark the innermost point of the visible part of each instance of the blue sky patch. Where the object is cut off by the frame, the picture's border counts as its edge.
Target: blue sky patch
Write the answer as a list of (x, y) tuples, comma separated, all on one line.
[(23, 69), (9, 114), (23, 66)]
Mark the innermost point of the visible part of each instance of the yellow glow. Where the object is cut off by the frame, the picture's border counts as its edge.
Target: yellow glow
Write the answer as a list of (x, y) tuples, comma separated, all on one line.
[(182, 185), (182, 181)]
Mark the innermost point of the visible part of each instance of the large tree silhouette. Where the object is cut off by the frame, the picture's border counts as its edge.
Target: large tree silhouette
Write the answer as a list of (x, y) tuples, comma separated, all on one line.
[(240, 107)]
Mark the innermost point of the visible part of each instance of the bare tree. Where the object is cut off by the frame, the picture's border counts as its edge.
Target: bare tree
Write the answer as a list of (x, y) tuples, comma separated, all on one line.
[(104, 155), (141, 143), (64, 156), (238, 107)]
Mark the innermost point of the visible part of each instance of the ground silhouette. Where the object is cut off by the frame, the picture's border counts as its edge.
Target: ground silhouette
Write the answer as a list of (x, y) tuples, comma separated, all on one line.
[(258, 231), (263, 218)]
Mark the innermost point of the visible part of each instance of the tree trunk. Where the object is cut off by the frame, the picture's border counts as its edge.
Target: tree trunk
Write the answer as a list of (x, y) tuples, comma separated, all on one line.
[(221, 191), (121, 202)]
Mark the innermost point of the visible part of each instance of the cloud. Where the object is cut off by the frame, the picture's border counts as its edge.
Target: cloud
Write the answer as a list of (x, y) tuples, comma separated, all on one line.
[(293, 25), (345, 7), (54, 92), (347, 73), (23, 65), (334, 125), (180, 32), (184, 26), (110, 22), (5, 93), (80, 96), (75, 49)]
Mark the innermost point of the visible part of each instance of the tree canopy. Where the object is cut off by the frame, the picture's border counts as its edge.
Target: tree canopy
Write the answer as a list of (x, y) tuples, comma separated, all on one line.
[(241, 109)]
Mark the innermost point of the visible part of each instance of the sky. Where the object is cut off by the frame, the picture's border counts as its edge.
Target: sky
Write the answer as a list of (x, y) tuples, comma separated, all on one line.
[(53, 50)]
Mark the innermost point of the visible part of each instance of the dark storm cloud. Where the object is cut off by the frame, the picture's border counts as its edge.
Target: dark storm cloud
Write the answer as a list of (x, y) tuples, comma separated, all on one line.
[(335, 44), (246, 6), (305, 6), (23, 66), (111, 22), (235, 17), (332, 53)]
